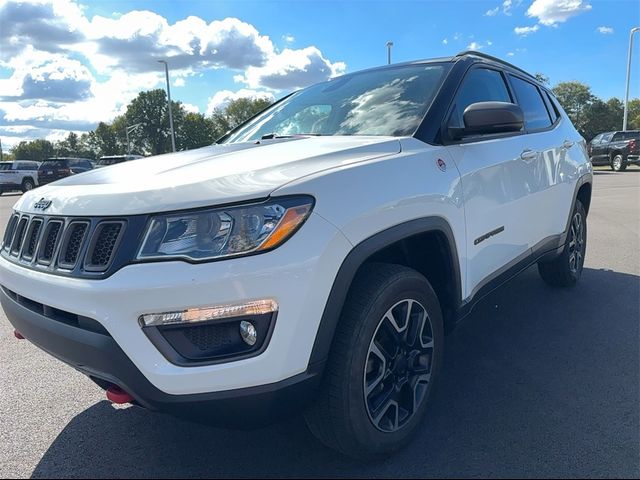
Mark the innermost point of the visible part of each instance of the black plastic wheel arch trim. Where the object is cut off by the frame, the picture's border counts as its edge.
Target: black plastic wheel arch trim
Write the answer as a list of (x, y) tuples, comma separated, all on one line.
[(357, 257)]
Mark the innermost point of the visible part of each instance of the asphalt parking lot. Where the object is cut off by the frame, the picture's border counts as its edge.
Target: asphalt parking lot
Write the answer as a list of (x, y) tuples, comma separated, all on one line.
[(536, 383)]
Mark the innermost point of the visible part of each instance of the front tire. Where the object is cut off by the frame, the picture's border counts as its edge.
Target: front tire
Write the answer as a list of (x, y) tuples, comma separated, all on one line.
[(566, 269), (618, 163), (385, 356)]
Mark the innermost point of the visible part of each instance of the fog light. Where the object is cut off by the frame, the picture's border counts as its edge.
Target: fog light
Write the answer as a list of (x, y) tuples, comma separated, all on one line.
[(248, 333)]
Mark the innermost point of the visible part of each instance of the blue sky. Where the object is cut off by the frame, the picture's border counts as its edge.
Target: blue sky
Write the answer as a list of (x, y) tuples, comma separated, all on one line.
[(66, 64)]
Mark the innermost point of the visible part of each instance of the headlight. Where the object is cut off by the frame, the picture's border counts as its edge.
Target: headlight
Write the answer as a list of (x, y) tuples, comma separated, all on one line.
[(224, 232)]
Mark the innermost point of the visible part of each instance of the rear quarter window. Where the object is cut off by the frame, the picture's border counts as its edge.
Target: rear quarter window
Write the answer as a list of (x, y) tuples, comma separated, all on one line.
[(53, 164)]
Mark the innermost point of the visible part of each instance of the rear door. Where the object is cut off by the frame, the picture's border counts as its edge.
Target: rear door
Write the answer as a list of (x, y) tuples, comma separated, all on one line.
[(601, 151)]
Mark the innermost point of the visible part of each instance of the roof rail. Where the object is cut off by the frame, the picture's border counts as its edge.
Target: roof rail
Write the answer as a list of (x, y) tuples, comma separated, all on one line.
[(495, 59)]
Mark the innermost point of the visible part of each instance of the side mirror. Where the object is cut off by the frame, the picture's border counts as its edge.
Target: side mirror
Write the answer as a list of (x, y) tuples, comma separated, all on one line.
[(489, 117)]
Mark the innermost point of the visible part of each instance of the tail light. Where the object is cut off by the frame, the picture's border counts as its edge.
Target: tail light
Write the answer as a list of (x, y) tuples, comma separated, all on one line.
[(589, 149), (633, 146), (65, 171)]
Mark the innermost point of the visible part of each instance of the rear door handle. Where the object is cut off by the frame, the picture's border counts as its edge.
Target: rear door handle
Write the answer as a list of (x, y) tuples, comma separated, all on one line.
[(528, 155), (567, 144)]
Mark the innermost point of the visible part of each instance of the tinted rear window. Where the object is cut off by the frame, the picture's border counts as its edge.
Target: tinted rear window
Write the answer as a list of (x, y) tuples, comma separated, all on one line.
[(53, 164), (5, 166), (626, 136), (535, 111)]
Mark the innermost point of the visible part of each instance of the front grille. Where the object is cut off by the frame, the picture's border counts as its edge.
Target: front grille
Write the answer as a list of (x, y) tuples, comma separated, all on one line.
[(103, 244), (18, 237), (72, 243), (66, 246), (49, 242), (33, 234)]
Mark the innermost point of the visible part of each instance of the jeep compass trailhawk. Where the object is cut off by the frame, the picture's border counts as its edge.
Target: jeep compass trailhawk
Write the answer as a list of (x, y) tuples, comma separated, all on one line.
[(313, 257)]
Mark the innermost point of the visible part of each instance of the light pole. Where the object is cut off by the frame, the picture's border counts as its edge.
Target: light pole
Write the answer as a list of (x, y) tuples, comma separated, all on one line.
[(626, 94), (127, 131), (173, 134), (389, 45)]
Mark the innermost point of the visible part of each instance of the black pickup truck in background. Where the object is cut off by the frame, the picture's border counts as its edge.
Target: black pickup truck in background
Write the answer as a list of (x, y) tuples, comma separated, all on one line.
[(616, 149)]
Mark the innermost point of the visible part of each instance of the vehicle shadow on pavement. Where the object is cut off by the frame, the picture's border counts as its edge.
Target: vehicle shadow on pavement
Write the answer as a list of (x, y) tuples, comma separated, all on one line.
[(536, 382)]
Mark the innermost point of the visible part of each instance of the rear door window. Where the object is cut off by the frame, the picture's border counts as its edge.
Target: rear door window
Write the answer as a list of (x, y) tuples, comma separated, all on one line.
[(536, 116)]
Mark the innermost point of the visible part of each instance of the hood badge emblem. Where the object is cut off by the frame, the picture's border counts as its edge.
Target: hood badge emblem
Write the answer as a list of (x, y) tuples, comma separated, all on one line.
[(42, 204), (441, 165)]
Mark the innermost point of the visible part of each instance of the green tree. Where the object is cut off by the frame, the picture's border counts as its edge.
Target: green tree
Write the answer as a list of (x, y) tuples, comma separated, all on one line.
[(575, 98), (194, 130), (601, 117), (236, 112), (542, 78), (633, 115), (38, 150), (149, 109)]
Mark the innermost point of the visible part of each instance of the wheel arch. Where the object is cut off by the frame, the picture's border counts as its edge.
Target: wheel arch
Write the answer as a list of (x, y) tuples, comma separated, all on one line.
[(388, 244)]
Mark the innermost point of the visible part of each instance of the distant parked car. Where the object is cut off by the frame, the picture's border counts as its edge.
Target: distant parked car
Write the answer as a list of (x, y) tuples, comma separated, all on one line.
[(113, 159), (616, 149), (53, 169), (21, 175)]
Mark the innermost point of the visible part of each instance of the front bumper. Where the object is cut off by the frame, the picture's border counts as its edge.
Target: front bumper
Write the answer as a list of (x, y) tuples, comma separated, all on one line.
[(298, 275), (99, 356)]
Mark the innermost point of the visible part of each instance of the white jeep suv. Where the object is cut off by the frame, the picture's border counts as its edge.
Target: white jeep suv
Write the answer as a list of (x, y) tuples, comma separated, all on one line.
[(314, 257)]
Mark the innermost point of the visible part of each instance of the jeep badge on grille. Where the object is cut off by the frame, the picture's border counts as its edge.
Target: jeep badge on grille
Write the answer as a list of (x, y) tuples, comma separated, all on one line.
[(42, 204)]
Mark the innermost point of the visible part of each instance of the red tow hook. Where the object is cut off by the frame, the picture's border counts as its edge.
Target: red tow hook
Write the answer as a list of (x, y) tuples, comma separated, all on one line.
[(18, 335), (118, 396)]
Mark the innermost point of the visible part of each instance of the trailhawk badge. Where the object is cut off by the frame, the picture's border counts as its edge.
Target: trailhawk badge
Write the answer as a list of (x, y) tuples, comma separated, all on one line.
[(42, 204)]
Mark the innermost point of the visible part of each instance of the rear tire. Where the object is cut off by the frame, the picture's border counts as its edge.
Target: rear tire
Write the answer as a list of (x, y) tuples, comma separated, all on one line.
[(27, 185), (618, 163), (566, 269), (371, 402)]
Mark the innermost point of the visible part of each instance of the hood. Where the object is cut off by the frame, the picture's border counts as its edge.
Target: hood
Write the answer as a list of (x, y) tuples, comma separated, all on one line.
[(213, 175)]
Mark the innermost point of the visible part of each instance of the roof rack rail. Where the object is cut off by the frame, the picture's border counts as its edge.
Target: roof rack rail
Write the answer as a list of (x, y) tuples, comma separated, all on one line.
[(495, 59)]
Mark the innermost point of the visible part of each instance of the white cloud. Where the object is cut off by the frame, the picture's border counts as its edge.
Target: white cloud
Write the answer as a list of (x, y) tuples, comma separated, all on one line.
[(493, 12), (510, 54), (69, 71), (605, 30), (191, 108), (524, 31), (489, 43), (474, 46), (292, 69), (445, 41), (506, 7), (223, 97), (552, 12)]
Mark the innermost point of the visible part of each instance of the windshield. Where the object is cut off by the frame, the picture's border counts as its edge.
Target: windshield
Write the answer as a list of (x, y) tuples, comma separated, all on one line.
[(392, 102)]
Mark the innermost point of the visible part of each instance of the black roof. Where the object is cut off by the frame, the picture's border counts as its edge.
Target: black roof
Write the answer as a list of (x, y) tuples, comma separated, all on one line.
[(467, 54)]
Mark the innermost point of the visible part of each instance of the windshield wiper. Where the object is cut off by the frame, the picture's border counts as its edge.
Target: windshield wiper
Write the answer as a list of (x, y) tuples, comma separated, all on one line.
[(271, 136)]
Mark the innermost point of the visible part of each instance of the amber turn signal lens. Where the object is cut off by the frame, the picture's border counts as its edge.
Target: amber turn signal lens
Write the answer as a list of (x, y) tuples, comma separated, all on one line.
[(287, 226)]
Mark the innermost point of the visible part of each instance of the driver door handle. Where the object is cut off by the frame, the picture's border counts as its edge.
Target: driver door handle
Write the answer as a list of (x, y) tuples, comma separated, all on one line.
[(528, 155), (567, 144)]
